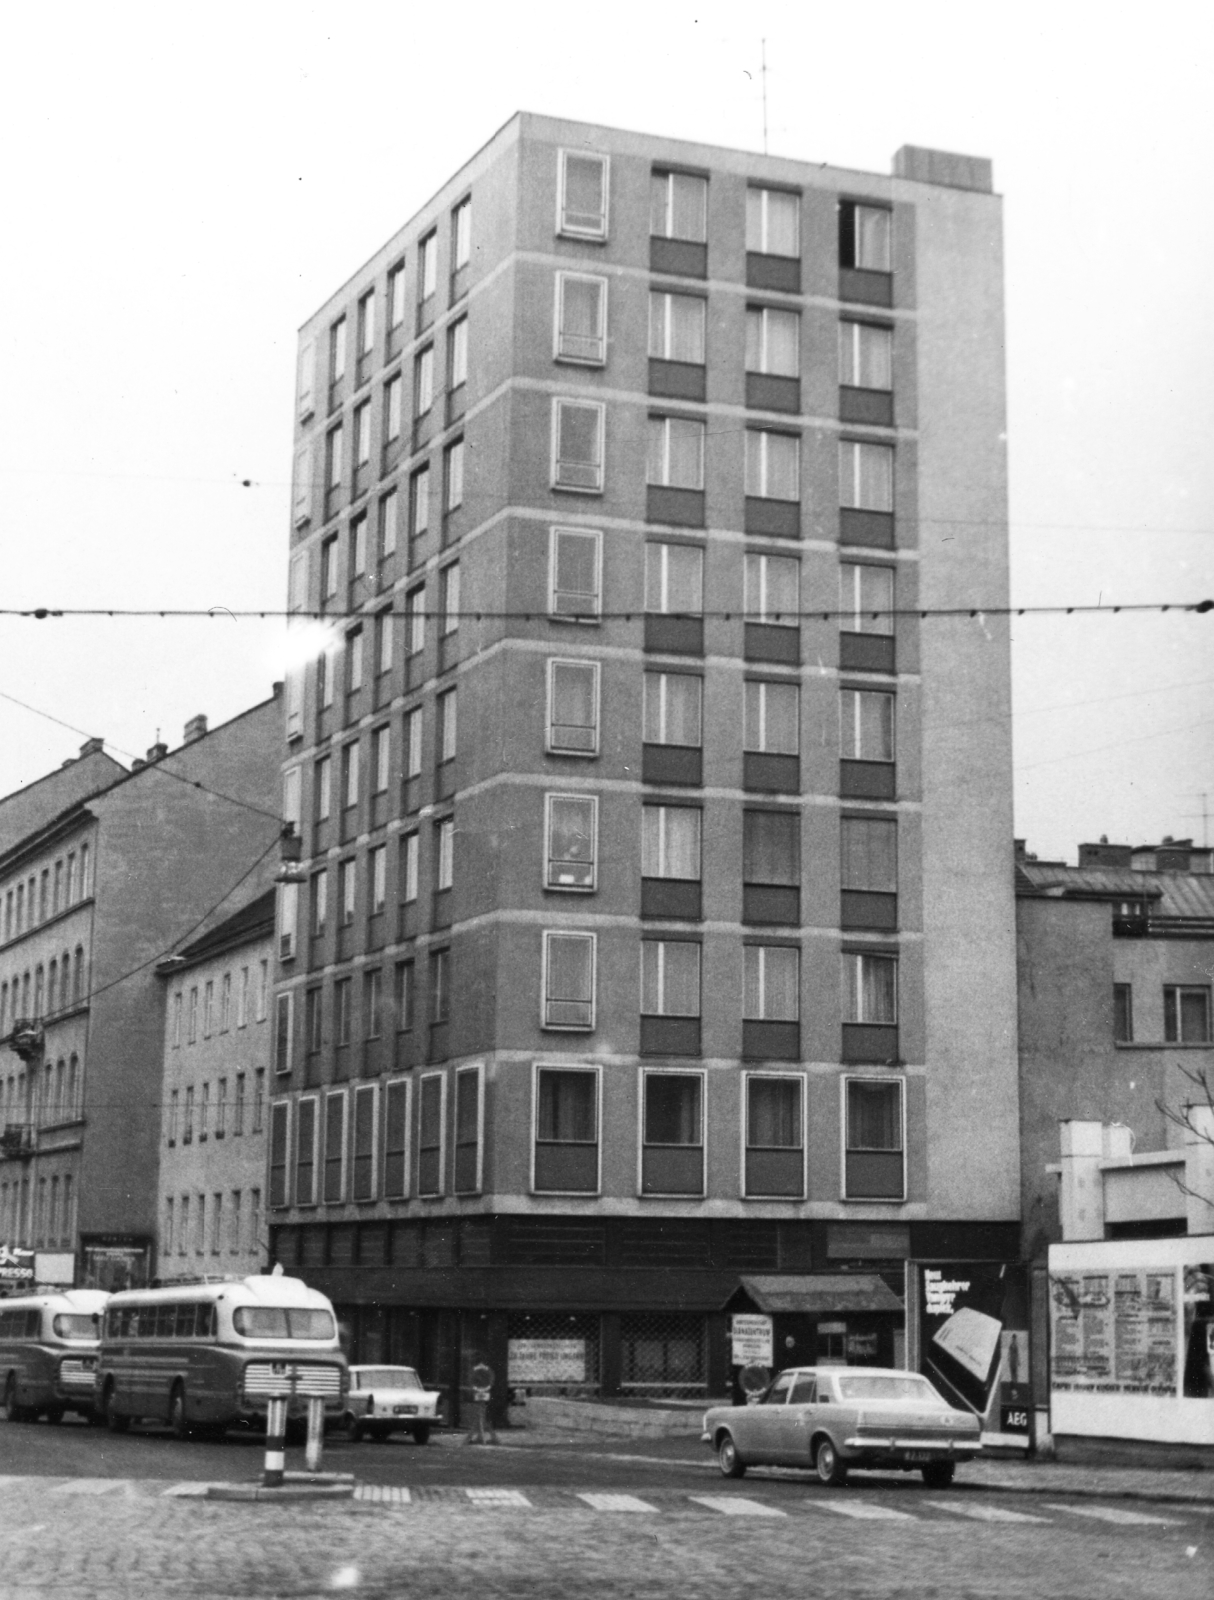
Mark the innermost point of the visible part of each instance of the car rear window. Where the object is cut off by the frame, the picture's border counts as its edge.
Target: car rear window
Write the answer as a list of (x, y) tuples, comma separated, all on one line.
[(283, 1322), (388, 1378), (886, 1387)]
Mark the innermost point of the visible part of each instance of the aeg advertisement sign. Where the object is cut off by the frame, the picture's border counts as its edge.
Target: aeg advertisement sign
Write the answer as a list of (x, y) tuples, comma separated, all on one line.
[(973, 1340)]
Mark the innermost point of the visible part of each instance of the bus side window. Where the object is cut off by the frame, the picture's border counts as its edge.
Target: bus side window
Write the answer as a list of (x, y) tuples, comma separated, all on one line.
[(207, 1324), (33, 1324), (185, 1322)]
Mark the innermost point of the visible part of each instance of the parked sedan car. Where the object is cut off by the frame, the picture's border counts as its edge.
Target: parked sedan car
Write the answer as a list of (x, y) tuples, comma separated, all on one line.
[(836, 1418), (384, 1400)]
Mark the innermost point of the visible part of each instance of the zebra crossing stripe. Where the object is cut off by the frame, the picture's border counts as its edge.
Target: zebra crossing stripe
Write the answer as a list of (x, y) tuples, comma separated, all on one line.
[(863, 1510), (382, 1494), (498, 1497), (92, 1486), (182, 1491), (1115, 1514), (733, 1505), (616, 1502), (984, 1513)]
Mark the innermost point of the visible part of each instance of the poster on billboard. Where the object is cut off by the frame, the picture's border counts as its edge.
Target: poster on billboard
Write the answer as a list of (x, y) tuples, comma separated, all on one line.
[(1114, 1332), (973, 1343)]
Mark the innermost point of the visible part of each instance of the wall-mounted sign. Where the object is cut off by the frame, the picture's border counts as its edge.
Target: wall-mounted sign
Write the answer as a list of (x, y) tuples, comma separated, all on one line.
[(751, 1336), (16, 1266), (546, 1361)]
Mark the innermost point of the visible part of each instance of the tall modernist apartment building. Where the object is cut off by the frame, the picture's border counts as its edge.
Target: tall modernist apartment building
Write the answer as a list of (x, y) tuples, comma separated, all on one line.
[(655, 925)]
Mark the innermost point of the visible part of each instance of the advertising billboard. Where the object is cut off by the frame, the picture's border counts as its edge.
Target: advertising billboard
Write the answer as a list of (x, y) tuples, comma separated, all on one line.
[(973, 1339)]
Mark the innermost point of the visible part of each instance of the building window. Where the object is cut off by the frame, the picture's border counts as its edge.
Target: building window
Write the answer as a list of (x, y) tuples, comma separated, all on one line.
[(346, 886), (387, 520), (566, 1131), (1186, 1014), (444, 853), (870, 988), (775, 1157), (282, 1032), (392, 409), (866, 476), (333, 458), (869, 872), (674, 579), (571, 835), (320, 902), (577, 445), (335, 1147), (354, 657), (466, 1177), (670, 978), (575, 573), (672, 711), (172, 1130), (581, 319), (381, 759), (773, 589), (582, 200), (771, 983), (373, 1004), (314, 1016), (328, 570), (396, 1139), (461, 234), (678, 206), (415, 620), (569, 969), (771, 866), (772, 465), (423, 381), (362, 453), (771, 717), (445, 707), (773, 341), (676, 453), (383, 623), (432, 1097), (670, 842), (280, 1144), (259, 1098), (305, 1152), (573, 707), (773, 219), (176, 1031), (221, 1108), (448, 591), (676, 327), (396, 296), (440, 987), (866, 598), (306, 380), (208, 1007), (238, 1107), (427, 265), (672, 1157), (874, 1140), (377, 860), (409, 860), (1123, 1014), (453, 475), (419, 503), (865, 237), (404, 996), (362, 1178), (187, 1127), (866, 356), (457, 354), (866, 725), (343, 1010)]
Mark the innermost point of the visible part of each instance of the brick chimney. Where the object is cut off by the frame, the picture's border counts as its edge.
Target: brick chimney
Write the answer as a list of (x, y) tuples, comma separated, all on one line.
[(91, 747), (158, 751), (195, 728), (1105, 854)]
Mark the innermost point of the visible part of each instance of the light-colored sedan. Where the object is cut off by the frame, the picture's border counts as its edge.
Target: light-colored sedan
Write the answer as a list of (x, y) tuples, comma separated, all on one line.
[(836, 1418), (384, 1400)]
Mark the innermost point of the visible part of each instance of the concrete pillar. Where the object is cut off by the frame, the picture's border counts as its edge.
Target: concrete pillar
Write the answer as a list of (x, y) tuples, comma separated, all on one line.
[(1081, 1194), (1199, 1170)]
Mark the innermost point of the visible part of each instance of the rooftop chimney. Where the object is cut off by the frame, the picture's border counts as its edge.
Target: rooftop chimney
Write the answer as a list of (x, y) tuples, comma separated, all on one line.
[(158, 751), (1105, 854), (195, 728), (91, 747)]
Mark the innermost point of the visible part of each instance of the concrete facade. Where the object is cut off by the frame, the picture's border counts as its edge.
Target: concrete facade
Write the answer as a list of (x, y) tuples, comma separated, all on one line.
[(708, 410)]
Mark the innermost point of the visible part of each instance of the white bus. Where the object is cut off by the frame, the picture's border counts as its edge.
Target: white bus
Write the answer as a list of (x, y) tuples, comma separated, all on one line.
[(48, 1353), (204, 1356)]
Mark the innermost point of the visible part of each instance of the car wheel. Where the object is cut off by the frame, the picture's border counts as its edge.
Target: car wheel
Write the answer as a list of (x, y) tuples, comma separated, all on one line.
[(827, 1465), (421, 1435), (728, 1459), (14, 1411), (114, 1420), (939, 1474), (178, 1421)]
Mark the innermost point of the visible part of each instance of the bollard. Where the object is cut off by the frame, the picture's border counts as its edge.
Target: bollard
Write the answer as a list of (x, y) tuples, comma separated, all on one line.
[(316, 1432), (276, 1443)]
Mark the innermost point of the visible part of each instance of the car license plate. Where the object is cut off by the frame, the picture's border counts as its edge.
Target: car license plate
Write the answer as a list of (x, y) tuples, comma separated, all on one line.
[(918, 1455), (406, 1411)]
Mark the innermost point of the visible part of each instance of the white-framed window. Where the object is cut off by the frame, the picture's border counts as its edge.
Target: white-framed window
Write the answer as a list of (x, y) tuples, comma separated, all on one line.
[(677, 327), (583, 193), (412, 742), (571, 823), (771, 721), (573, 707), (431, 1132), (568, 980), (419, 503), (469, 1130), (866, 598), (773, 589), (457, 353), (676, 452), (580, 332), (448, 593), (307, 1134), (773, 341), (364, 1137), (444, 853), (291, 789), (866, 476), (870, 987), (453, 475), (670, 841), (866, 725), (874, 1139), (381, 759), (328, 568), (673, 709), (397, 1096), (378, 875), (866, 355), (670, 978), (566, 1113), (354, 659), (575, 576), (1186, 1013), (865, 236), (773, 222), (672, 1132), (678, 206), (774, 1134), (771, 984), (445, 709), (674, 579), (409, 865), (578, 428), (773, 464), (334, 1191)]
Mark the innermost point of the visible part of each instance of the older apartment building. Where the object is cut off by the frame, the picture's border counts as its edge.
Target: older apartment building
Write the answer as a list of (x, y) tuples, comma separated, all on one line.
[(654, 922)]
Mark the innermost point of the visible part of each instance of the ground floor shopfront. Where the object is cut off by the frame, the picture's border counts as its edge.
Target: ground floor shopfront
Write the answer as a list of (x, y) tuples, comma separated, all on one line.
[(617, 1306)]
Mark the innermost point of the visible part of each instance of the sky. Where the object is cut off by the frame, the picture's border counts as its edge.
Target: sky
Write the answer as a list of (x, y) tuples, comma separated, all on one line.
[(184, 186)]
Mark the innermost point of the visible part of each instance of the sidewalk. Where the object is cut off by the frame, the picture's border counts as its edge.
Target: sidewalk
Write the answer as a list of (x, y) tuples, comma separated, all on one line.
[(1193, 1486)]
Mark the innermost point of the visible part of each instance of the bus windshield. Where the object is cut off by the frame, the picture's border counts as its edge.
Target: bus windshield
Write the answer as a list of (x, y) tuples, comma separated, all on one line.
[(283, 1322), (75, 1327)]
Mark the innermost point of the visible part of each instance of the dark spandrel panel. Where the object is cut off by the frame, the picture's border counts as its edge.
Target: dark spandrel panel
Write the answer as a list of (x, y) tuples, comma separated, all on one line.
[(872, 406), (671, 763), (566, 1168), (765, 392), (439, 1244), (664, 1241), (873, 528), (868, 780), (870, 1041), (444, 780), (680, 256), (778, 519), (465, 1169), (779, 1173), (864, 287), (874, 1175), (867, 652), (342, 1239), (672, 1170), (769, 641), (771, 774), (440, 912), (677, 380), (771, 904), (670, 1036), (440, 1041), (676, 636), (682, 507), (861, 908), (782, 273), (670, 897), (771, 1041)]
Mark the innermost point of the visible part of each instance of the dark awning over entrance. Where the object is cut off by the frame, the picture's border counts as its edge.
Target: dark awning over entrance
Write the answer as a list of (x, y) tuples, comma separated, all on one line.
[(816, 1294)]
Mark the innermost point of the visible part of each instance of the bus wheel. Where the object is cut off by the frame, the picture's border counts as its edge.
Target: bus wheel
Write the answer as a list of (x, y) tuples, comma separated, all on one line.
[(114, 1420), (177, 1417), (54, 1414), (13, 1410)]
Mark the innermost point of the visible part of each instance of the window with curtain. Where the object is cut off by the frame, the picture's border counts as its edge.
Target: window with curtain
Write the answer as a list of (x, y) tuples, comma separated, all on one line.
[(672, 1108), (676, 453), (678, 207), (771, 717), (573, 711), (577, 445), (771, 847), (672, 711), (772, 465), (866, 476), (670, 978), (870, 988), (581, 318), (874, 1115), (773, 222), (676, 327), (670, 842), (773, 341), (771, 986), (773, 1113), (583, 194), (567, 1110), (571, 830), (866, 355), (866, 598), (574, 572), (866, 725), (869, 854), (773, 589), (569, 980)]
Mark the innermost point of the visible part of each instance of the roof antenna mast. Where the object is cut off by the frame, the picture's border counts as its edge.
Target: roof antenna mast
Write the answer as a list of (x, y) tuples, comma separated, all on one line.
[(763, 75)]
